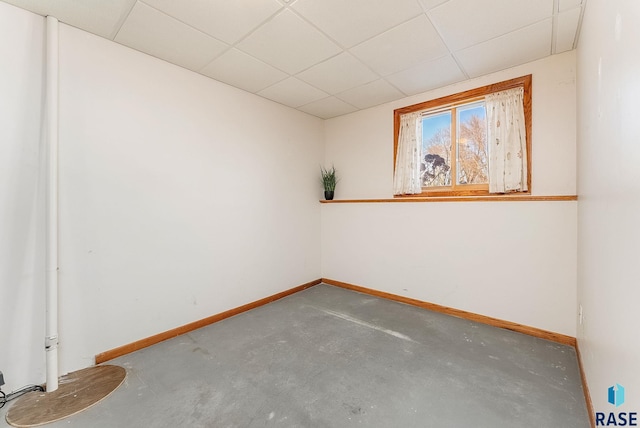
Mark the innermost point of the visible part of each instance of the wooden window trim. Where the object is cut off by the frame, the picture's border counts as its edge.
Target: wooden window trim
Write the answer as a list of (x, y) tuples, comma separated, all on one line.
[(461, 98)]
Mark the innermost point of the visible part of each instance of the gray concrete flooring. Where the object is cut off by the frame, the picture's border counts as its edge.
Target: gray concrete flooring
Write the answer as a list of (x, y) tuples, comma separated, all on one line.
[(328, 357)]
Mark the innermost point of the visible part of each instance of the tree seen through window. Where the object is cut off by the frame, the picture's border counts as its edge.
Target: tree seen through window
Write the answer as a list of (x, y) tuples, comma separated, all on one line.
[(454, 144)]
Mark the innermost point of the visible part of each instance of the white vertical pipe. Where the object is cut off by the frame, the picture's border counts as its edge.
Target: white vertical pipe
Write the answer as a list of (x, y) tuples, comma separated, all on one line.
[(51, 99)]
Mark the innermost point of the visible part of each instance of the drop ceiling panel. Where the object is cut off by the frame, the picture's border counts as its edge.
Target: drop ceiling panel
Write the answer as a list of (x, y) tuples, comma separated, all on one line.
[(293, 92), (568, 4), (151, 31), (327, 57), (354, 21), (95, 16), (338, 74), (567, 24), (428, 75), (518, 47), (465, 23), (402, 47), (289, 43), (327, 108), (371, 94), (430, 4), (223, 19), (243, 71)]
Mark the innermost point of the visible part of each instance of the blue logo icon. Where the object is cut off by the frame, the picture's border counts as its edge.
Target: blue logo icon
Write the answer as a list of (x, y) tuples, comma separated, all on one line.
[(616, 395)]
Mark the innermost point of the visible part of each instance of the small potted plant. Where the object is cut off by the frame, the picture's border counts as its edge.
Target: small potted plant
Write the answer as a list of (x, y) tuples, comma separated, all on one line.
[(329, 181)]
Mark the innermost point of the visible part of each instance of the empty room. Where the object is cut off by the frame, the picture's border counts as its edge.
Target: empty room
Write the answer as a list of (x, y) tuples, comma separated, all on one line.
[(319, 213)]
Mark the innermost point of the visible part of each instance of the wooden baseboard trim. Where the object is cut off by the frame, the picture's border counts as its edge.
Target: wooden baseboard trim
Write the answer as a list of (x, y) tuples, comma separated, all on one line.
[(585, 389), (152, 340), (520, 328)]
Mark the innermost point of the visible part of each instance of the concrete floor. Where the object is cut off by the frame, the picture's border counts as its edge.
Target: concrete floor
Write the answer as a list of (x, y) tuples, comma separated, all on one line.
[(328, 357)]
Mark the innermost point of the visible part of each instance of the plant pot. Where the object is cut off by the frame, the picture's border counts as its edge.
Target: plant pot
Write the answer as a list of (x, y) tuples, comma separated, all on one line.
[(328, 195)]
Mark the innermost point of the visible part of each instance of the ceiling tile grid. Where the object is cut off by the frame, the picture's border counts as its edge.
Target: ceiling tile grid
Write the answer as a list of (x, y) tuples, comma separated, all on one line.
[(337, 74), (464, 23), (354, 21), (427, 75), (331, 57), (569, 4), (327, 108), (149, 30), (371, 94), (402, 47), (243, 71), (287, 42), (566, 24), (226, 20), (518, 47), (293, 92), (102, 18)]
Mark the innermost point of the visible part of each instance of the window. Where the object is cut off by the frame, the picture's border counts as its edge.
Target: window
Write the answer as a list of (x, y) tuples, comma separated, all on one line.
[(451, 154)]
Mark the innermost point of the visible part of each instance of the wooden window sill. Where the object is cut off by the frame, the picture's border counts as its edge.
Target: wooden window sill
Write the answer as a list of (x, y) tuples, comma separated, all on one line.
[(504, 198)]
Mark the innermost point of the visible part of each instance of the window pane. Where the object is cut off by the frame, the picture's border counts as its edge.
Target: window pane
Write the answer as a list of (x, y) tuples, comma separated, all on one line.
[(472, 144), (436, 150)]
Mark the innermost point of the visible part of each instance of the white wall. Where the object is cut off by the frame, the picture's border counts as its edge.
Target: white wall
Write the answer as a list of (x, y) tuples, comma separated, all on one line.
[(609, 192), (180, 197), (21, 198), (361, 144), (511, 260)]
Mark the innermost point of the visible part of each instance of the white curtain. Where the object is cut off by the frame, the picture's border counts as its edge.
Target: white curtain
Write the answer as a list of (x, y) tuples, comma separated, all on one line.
[(507, 139), (406, 179)]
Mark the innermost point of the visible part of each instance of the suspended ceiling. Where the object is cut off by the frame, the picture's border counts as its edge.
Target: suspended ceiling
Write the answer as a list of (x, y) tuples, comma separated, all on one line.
[(331, 57)]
